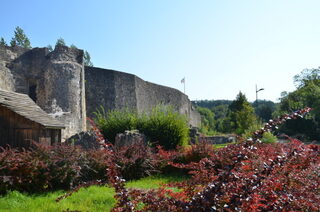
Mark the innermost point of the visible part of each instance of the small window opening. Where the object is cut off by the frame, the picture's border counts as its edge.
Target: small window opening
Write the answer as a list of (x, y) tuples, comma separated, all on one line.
[(33, 93)]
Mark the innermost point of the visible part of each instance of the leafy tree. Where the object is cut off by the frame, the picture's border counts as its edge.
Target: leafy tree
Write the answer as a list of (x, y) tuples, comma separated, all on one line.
[(264, 109), (207, 120), (20, 39), (307, 94), (241, 115), (87, 59), (3, 42), (307, 76), (220, 115), (61, 42)]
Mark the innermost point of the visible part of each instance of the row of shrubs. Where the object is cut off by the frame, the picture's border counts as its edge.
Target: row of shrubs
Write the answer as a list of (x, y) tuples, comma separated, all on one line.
[(44, 168), (162, 126)]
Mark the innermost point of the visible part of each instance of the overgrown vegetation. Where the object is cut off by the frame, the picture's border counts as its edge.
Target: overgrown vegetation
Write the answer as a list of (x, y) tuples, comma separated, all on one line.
[(45, 168), (236, 117), (249, 176), (163, 126), (307, 93)]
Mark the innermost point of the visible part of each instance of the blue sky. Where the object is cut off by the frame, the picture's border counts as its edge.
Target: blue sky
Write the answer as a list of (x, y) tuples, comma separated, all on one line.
[(220, 47)]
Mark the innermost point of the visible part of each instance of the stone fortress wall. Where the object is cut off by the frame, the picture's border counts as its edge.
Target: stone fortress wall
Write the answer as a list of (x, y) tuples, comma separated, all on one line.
[(54, 80), (61, 85), (113, 90)]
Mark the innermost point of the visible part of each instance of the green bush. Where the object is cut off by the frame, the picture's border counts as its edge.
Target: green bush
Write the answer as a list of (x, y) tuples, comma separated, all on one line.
[(268, 138), (115, 121), (163, 126)]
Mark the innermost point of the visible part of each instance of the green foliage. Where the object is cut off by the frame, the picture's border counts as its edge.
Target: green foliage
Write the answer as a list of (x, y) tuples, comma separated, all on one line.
[(264, 109), (87, 59), (72, 46), (61, 42), (3, 42), (94, 198), (211, 103), (241, 115), (268, 138), (115, 121), (207, 121), (307, 76), (86, 55), (20, 39), (50, 48), (307, 94), (248, 132), (162, 126), (165, 127)]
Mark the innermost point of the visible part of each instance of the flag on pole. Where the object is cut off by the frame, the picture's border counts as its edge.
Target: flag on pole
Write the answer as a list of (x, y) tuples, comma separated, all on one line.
[(184, 84)]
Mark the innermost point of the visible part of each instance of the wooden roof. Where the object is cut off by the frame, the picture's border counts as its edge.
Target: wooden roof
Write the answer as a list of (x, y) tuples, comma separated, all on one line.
[(23, 105)]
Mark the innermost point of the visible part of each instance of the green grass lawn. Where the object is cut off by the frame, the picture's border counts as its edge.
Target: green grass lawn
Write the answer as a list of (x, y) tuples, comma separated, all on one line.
[(94, 198), (218, 146)]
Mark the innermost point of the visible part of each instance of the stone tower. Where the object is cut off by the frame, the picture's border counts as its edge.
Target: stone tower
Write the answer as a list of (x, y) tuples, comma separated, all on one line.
[(54, 80)]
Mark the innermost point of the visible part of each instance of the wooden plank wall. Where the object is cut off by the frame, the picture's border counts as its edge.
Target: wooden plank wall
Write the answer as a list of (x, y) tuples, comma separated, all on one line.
[(18, 131)]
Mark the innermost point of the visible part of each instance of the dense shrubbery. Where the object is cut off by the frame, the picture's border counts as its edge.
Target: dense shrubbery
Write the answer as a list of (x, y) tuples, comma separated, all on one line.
[(163, 126), (64, 166), (116, 121), (43, 168), (249, 176), (137, 161)]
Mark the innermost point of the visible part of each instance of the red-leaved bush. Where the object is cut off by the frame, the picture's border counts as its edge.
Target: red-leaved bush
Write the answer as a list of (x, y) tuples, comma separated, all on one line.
[(241, 177), (42, 168), (45, 168)]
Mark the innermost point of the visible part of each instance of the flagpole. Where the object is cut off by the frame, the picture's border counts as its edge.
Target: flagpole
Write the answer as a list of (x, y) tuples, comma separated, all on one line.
[(184, 84)]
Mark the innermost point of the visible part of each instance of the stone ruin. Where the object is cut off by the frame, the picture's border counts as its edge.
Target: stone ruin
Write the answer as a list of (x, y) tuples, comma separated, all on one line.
[(63, 87)]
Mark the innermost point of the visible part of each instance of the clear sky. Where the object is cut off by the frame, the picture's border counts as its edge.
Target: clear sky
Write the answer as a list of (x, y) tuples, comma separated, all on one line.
[(220, 47)]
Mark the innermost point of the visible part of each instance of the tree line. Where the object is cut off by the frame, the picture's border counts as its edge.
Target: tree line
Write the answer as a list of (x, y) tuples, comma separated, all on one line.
[(239, 116), (22, 40)]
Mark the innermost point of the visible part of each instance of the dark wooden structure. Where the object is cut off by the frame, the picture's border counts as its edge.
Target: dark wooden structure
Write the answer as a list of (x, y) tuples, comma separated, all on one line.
[(23, 121)]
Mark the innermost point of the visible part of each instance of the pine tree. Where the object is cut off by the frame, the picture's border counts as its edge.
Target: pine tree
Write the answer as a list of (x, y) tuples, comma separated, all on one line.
[(87, 59), (60, 42), (20, 39), (3, 42), (241, 114)]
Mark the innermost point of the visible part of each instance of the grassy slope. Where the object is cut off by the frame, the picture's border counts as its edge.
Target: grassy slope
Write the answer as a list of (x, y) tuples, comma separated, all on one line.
[(93, 198)]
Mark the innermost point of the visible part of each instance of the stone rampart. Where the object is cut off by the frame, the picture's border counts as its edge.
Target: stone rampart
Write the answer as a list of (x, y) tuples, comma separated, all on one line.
[(54, 80), (60, 84), (114, 90)]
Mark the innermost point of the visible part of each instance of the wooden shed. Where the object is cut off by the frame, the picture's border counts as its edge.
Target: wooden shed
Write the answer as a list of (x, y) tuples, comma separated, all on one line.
[(23, 121)]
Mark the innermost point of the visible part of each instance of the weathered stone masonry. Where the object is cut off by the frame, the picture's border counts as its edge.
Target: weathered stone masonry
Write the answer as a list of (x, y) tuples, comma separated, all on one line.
[(61, 85), (113, 89), (54, 80)]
